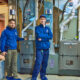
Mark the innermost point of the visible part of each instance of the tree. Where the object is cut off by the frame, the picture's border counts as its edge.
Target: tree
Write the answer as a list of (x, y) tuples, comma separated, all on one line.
[(64, 10)]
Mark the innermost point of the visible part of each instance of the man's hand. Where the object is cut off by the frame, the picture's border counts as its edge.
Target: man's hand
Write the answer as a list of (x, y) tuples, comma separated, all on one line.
[(2, 57), (25, 38), (4, 53), (39, 39)]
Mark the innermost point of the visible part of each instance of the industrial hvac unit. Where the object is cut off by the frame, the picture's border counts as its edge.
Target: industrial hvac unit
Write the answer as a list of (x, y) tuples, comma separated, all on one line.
[(26, 63), (70, 62), (53, 66), (69, 65), (27, 47), (69, 58), (68, 48), (27, 56)]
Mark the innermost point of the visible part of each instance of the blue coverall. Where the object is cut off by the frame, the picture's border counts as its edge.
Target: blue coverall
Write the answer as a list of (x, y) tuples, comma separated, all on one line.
[(9, 38), (42, 51)]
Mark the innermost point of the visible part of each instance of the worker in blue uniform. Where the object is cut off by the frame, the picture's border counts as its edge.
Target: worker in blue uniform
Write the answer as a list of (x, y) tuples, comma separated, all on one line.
[(9, 38), (43, 35)]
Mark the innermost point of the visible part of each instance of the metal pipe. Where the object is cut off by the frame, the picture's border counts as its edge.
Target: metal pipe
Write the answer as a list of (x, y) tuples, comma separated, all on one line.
[(79, 24), (34, 24), (36, 9), (26, 28)]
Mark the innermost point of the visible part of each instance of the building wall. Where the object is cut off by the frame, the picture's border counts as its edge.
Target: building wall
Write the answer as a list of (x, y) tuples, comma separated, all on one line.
[(3, 17), (71, 32), (4, 10)]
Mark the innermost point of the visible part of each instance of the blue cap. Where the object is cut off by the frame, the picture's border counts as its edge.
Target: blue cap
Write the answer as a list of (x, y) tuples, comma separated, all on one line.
[(42, 16)]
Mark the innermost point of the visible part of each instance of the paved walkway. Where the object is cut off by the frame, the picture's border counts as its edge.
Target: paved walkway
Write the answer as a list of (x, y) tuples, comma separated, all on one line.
[(52, 77)]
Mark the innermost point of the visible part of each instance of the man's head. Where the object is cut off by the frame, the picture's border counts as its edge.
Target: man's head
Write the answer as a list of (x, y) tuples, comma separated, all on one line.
[(42, 20), (12, 23)]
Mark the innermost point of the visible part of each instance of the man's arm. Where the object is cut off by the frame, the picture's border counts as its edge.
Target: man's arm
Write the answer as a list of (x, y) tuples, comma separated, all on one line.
[(39, 34), (19, 39), (43, 36), (3, 43)]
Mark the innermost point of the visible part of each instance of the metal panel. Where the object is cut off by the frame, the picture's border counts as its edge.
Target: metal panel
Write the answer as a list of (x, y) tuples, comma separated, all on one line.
[(53, 64), (26, 61), (68, 48), (79, 48), (26, 70), (69, 62), (69, 72), (27, 47), (18, 62)]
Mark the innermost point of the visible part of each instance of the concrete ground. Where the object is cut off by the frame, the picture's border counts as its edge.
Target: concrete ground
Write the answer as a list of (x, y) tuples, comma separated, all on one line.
[(51, 77)]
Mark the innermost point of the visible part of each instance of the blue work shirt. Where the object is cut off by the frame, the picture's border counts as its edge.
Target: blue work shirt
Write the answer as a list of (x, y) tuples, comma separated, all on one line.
[(45, 34), (9, 38)]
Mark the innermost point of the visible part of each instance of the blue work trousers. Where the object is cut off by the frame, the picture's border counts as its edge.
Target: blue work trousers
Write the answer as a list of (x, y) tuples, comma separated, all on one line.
[(41, 63)]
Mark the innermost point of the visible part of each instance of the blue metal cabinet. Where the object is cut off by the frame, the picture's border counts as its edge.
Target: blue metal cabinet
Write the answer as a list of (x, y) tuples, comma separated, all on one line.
[(26, 63), (53, 67), (27, 47), (68, 48)]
